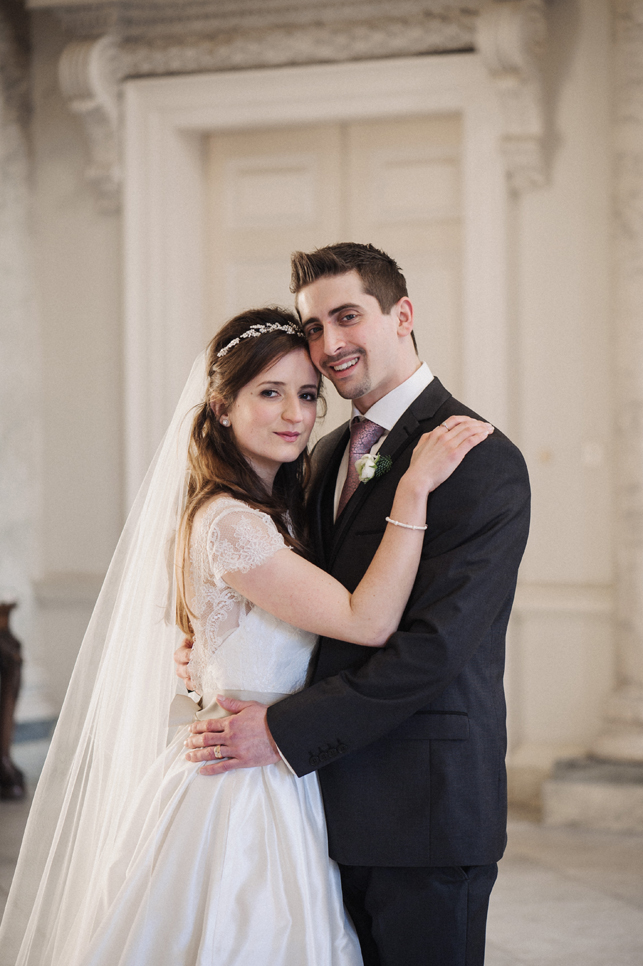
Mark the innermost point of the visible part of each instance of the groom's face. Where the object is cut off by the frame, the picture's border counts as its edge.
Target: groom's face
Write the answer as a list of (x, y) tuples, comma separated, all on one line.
[(351, 341)]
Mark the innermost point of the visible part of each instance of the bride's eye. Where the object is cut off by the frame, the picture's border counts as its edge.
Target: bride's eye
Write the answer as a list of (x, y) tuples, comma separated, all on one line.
[(309, 396), (269, 393)]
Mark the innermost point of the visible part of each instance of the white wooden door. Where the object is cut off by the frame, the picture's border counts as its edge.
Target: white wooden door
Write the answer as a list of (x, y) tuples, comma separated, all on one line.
[(393, 183)]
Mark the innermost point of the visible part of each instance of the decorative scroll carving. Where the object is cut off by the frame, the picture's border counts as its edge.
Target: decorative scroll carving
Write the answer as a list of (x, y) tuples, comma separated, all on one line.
[(89, 72), (510, 38), (622, 737)]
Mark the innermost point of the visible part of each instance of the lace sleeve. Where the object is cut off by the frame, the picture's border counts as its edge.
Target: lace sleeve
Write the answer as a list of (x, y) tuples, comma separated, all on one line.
[(240, 537)]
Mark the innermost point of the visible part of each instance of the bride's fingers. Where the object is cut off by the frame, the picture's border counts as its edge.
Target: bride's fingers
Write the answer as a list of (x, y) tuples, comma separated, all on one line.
[(465, 431), (457, 426), (444, 441)]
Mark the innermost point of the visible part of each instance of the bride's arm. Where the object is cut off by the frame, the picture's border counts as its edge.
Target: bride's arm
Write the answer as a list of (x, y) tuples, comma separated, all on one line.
[(301, 594)]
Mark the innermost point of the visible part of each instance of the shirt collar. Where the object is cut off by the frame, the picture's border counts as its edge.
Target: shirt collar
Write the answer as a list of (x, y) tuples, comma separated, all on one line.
[(387, 410)]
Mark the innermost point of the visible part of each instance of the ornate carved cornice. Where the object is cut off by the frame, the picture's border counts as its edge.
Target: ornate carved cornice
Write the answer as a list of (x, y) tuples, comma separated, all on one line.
[(143, 38), (89, 73), (445, 24), (282, 46), (510, 37)]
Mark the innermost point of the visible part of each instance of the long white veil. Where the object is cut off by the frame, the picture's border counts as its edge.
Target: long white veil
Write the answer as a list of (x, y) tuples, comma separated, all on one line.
[(114, 722)]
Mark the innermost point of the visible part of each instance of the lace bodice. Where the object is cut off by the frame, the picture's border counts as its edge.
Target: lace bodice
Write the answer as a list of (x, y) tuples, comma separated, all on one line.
[(238, 646)]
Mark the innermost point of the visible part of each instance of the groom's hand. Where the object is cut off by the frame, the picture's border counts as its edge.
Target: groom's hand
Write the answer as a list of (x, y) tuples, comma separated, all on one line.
[(243, 739)]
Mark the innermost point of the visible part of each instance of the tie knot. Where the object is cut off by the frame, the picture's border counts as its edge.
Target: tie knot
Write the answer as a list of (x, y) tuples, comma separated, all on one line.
[(364, 434)]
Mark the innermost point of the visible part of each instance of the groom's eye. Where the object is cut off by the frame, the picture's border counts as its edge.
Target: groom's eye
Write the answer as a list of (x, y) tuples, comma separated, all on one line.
[(312, 331)]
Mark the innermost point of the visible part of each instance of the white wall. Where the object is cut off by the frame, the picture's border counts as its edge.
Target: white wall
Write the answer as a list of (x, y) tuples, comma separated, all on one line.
[(78, 270), (561, 663)]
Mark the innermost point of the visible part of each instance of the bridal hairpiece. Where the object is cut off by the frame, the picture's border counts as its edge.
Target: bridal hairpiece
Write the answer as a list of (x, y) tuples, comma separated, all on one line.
[(256, 330)]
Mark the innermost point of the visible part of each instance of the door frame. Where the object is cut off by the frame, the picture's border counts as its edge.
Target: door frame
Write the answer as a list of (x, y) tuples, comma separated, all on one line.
[(166, 120)]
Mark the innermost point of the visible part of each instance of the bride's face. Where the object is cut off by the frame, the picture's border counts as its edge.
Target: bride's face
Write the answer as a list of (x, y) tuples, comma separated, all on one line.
[(274, 414)]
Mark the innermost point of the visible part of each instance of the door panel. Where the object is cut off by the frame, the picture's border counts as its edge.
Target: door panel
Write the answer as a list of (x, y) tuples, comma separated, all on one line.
[(393, 183)]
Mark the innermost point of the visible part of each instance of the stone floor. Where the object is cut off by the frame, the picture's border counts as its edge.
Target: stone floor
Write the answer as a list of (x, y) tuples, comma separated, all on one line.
[(564, 897)]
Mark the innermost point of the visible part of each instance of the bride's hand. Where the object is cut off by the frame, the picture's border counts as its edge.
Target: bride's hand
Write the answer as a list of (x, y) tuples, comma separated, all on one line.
[(438, 453), (182, 657)]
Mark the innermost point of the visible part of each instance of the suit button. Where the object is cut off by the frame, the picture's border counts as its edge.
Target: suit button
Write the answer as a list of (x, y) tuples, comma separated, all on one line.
[(341, 749), (314, 760), (333, 752), (323, 756)]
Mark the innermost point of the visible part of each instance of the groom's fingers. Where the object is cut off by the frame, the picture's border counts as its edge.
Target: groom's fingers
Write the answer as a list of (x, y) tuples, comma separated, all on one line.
[(208, 753), (205, 739), (217, 768)]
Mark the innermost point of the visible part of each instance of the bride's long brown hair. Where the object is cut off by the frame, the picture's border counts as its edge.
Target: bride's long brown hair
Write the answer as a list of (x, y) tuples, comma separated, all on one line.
[(215, 463)]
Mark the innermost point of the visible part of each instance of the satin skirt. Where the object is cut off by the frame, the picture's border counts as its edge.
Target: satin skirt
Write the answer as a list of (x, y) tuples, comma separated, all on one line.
[(226, 870)]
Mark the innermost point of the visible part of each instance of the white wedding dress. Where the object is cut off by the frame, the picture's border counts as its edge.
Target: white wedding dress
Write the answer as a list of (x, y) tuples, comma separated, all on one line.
[(227, 870)]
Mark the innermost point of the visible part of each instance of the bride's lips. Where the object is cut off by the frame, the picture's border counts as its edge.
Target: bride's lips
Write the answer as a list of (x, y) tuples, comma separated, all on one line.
[(289, 437)]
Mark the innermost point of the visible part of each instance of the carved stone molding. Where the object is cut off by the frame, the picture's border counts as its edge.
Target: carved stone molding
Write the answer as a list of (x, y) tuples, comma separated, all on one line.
[(622, 737), (444, 24), (284, 46), (200, 36), (510, 37), (89, 73)]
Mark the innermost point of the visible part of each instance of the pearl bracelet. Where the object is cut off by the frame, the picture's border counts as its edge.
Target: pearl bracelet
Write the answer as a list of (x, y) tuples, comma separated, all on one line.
[(407, 526)]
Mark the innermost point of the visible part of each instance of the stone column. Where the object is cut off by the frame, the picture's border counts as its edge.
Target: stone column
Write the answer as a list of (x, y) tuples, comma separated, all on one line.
[(622, 738)]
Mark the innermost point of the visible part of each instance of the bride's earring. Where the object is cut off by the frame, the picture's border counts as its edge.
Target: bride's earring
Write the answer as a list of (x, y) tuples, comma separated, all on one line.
[(225, 421)]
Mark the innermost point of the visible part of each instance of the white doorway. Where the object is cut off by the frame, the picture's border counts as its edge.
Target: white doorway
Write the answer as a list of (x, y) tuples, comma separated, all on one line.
[(410, 160), (394, 183)]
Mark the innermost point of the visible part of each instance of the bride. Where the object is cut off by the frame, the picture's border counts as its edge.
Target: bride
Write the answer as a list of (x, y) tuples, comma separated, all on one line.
[(131, 856)]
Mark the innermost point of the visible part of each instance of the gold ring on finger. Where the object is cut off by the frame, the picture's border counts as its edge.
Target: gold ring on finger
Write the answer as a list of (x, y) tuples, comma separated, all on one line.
[(217, 751)]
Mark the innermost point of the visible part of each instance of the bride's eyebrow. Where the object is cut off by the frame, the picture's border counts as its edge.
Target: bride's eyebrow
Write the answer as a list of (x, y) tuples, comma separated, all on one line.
[(275, 382)]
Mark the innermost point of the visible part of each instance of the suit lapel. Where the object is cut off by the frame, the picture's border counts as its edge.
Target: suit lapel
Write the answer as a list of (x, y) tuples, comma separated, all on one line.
[(407, 430)]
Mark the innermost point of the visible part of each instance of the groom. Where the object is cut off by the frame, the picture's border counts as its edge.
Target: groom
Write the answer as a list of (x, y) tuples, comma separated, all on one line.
[(409, 740)]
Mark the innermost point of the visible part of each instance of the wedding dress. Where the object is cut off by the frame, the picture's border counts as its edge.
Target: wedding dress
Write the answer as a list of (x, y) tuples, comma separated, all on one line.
[(233, 868), (130, 857)]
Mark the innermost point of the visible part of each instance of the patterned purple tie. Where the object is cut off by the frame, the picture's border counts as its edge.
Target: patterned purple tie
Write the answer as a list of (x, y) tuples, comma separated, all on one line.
[(364, 435)]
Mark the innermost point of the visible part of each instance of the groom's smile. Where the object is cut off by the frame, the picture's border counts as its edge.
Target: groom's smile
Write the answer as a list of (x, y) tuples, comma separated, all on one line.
[(362, 350)]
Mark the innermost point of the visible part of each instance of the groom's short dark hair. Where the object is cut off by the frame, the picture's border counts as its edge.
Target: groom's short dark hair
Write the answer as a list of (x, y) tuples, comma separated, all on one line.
[(380, 274)]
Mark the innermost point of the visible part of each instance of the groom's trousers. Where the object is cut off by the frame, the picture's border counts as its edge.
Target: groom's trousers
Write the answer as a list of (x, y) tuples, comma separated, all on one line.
[(433, 916)]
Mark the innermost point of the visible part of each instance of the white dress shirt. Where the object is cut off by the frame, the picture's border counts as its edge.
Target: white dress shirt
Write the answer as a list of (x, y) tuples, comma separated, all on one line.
[(385, 412)]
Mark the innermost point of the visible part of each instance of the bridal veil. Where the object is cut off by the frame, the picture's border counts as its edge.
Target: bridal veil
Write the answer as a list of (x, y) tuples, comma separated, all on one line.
[(113, 724)]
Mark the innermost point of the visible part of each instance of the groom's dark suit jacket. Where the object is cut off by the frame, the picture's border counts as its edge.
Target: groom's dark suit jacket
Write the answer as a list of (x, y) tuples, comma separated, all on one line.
[(410, 739)]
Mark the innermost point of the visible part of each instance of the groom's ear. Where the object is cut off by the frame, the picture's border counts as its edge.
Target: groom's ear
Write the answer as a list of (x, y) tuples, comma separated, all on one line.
[(403, 310)]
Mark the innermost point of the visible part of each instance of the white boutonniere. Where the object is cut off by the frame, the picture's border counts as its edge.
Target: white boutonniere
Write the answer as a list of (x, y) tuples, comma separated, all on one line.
[(370, 467)]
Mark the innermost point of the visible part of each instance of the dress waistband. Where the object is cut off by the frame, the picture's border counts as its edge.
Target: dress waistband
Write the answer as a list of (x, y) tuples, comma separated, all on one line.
[(184, 709)]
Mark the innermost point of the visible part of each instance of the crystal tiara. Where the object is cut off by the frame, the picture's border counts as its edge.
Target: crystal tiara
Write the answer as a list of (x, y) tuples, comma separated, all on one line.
[(256, 330)]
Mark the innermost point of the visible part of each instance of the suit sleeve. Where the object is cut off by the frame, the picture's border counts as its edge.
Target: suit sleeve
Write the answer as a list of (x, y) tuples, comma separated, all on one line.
[(477, 530)]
